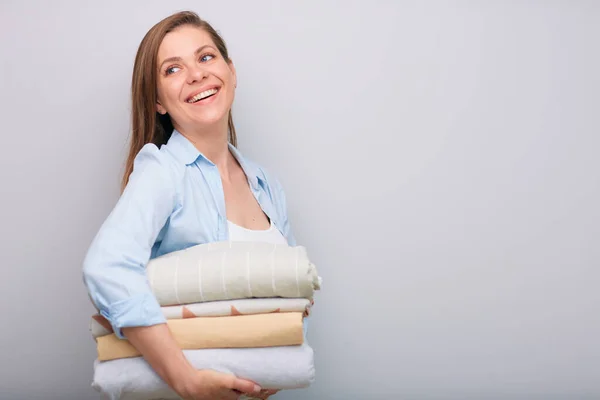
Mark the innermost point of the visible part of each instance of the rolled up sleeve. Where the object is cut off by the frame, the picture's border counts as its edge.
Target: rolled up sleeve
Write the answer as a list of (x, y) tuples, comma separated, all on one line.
[(114, 269)]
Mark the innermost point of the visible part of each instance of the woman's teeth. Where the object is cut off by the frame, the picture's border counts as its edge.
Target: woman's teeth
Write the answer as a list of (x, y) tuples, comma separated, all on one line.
[(202, 95)]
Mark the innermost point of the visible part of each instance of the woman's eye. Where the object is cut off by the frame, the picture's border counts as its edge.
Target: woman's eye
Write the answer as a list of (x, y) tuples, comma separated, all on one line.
[(170, 70), (206, 57)]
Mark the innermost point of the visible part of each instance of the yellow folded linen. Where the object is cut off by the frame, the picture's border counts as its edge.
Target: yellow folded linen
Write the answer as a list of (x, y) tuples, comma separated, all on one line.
[(241, 331)]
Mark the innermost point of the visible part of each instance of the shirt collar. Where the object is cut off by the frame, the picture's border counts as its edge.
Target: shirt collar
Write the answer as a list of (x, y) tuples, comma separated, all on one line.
[(187, 153)]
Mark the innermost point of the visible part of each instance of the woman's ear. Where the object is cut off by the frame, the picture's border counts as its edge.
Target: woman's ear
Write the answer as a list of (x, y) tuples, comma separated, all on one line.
[(232, 68), (160, 109)]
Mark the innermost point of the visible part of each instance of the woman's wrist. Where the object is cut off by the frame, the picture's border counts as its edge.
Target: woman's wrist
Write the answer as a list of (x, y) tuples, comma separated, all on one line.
[(179, 377)]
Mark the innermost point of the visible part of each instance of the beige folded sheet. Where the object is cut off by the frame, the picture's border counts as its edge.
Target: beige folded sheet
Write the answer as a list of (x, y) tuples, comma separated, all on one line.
[(240, 331)]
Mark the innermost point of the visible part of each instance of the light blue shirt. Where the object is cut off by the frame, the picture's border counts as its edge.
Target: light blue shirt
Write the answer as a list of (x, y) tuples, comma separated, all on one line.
[(174, 200)]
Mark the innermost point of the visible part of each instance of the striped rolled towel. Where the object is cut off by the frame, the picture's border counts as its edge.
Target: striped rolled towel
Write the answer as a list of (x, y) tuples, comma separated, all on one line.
[(232, 270)]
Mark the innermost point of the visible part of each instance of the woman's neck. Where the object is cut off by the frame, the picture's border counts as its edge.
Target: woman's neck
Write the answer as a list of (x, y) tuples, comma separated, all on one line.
[(214, 145)]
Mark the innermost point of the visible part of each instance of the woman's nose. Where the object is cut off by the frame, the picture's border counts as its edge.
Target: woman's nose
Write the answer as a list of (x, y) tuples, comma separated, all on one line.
[(196, 74)]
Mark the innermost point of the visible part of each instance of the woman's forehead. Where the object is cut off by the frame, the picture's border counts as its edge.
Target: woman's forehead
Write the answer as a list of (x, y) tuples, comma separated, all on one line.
[(183, 42)]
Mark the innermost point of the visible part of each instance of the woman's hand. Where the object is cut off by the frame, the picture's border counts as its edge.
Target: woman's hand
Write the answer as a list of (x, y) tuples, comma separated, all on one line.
[(212, 385)]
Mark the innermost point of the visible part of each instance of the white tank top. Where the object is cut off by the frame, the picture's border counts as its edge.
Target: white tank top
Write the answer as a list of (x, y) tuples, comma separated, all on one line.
[(240, 234)]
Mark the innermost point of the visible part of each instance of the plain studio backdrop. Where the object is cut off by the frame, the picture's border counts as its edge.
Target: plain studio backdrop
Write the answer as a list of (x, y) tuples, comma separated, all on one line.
[(441, 164)]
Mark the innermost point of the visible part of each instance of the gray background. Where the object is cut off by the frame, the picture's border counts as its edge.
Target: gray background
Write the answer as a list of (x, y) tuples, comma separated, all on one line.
[(440, 159)]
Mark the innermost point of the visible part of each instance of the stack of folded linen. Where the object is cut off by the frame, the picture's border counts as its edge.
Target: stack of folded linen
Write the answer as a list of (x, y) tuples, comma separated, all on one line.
[(235, 307)]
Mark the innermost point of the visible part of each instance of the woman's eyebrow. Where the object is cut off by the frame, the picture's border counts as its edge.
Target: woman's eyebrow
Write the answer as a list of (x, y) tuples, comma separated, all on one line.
[(173, 59)]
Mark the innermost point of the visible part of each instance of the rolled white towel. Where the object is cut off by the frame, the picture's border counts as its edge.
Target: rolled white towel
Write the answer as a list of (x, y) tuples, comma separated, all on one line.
[(287, 367)]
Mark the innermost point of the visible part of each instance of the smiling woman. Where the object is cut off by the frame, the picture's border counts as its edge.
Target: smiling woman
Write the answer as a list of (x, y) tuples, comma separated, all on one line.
[(185, 184)]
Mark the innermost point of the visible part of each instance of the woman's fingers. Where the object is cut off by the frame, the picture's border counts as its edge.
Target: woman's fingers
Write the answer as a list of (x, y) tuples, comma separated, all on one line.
[(245, 386)]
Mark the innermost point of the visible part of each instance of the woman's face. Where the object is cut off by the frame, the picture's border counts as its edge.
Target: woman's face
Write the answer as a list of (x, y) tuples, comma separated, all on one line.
[(196, 85)]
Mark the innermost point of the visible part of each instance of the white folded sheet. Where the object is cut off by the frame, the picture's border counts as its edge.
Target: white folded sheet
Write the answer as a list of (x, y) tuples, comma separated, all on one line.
[(99, 326), (286, 367)]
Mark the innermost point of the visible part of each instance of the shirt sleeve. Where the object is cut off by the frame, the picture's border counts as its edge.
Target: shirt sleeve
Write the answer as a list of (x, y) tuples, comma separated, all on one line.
[(114, 269)]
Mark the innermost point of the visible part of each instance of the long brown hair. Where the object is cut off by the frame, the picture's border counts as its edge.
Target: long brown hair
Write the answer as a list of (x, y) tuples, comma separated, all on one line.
[(147, 125)]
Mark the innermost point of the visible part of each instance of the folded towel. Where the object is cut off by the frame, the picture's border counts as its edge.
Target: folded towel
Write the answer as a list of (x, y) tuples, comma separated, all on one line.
[(288, 367), (258, 330), (232, 270), (99, 326)]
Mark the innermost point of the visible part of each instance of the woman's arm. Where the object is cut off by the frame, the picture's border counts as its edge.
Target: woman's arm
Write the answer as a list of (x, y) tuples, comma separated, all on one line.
[(114, 269), (157, 346)]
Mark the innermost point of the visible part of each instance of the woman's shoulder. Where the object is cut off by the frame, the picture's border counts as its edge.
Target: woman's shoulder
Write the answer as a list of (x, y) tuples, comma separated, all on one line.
[(158, 160), (155, 171)]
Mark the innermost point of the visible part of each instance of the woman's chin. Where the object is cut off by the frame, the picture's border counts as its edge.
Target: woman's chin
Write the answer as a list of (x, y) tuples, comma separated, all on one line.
[(208, 119)]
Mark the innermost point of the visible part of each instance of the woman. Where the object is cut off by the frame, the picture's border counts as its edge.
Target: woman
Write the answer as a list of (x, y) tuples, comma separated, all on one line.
[(185, 184)]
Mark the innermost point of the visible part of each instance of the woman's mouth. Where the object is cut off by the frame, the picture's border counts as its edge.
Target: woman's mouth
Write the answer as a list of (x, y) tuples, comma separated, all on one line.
[(202, 95)]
